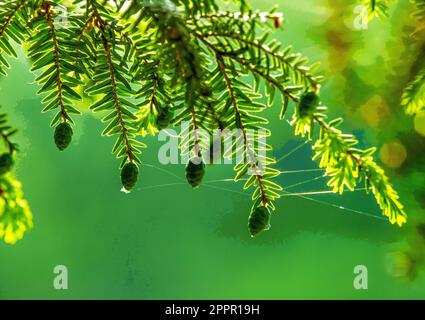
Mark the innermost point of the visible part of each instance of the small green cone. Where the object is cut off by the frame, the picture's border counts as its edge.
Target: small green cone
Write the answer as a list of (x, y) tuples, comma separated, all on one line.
[(259, 220), (129, 175), (308, 104), (195, 171), (163, 119), (63, 135), (6, 163)]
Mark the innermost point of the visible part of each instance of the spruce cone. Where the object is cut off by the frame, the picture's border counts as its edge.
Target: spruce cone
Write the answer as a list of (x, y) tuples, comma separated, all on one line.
[(259, 220), (63, 135), (195, 171), (308, 104), (6, 163), (163, 119), (129, 175)]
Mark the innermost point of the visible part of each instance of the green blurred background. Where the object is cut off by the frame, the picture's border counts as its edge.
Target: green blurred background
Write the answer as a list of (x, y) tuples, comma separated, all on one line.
[(172, 242)]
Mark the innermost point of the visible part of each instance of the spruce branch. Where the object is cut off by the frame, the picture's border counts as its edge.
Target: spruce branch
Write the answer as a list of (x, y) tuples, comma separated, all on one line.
[(50, 49), (265, 191), (112, 82), (12, 27), (152, 64), (15, 213), (413, 99), (57, 65), (344, 163), (302, 78)]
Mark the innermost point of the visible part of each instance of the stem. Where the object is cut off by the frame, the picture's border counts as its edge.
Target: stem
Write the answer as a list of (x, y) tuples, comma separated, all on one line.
[(215, 116), (195, 134), (263, 194), (124, 130), (280, 58), (116, 101), (190, 72), (153, 95), (231, 15), (57, 57), (222, 66)]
